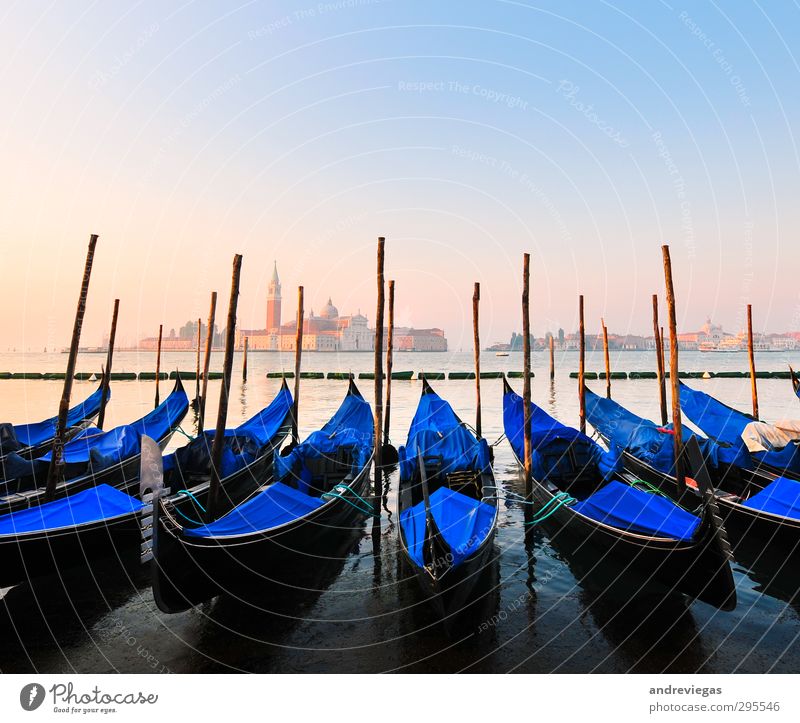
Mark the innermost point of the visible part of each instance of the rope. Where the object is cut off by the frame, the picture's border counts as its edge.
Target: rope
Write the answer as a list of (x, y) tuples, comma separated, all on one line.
[(188, 436), (650, 487), (337, 493), (193, 498), (557, 501), (499, 439)]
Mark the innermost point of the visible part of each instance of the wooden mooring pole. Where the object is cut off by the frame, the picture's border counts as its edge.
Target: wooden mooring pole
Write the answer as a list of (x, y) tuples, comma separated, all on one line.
[(526, 373), (751, 353), (224, 392), (158, 362), (476, 336), (101, 417), (379, 375), (673, 372), (56, 469), (298, 356), (207, 361), (658, 338), (244, 361), (608, 360)]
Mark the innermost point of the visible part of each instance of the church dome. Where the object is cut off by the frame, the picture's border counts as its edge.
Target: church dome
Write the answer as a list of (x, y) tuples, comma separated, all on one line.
[(329, 311)]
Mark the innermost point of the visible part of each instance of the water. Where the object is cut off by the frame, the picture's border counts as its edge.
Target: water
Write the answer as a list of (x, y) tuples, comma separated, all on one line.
[(363, 613)]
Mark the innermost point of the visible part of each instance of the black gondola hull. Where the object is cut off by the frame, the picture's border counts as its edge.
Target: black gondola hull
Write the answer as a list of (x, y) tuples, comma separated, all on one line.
[(188, 570)]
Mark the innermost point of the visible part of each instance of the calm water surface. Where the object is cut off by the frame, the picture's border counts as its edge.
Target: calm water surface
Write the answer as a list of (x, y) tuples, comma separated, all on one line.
[(536, 611)]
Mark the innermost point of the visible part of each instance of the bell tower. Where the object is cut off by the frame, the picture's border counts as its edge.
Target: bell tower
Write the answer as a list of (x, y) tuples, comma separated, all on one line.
[(274, 301)]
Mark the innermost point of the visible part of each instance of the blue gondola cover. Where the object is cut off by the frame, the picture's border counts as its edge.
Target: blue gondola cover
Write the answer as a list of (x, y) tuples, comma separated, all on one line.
[(644, 439), (351, 427), (725, 425), (32, 435), (276, 505), (551, 439), (438, 432), (780, 497), (243, 444), (463, 521), (624, 507), (101, 502)]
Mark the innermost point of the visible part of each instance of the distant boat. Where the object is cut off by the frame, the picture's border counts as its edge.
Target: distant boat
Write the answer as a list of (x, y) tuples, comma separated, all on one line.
[(501, 353)]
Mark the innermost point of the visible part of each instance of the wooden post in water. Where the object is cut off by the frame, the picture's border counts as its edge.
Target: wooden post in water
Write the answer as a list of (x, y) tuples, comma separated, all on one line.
[(552, 358), (581, 367), (673, 372), (379, 376), (608, 361), (158, 361), (224, 392), (526, 373), (197, 366), (389, 364), (298, 355), (207, 362), (476, 300), (56, 469), (244, 361), (662, 384), (753, 384), (101, 417)]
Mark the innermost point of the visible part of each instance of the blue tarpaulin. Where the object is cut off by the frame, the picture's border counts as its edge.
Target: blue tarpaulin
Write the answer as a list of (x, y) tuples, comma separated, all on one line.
[(243, 444), (556, 447), (351, 427), (463, 521), (439, 433), (276, 505), (644, 439), (780, 497), (725, 424), (624, 507), (101, 502), (32, 435), (104, 449)]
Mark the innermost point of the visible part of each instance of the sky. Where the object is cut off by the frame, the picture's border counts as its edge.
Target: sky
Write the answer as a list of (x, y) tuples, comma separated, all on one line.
[(586, 133)]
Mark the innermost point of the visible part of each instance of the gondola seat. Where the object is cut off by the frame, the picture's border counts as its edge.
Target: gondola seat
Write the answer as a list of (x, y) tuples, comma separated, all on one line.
[(621, 506), (463, 521), (276, 505), (781, 497)]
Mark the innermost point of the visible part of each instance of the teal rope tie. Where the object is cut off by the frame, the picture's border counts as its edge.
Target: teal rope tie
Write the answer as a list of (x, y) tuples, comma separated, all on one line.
[(188, 436), (555, 503), (338, 494), (194, 499), (649, 487)]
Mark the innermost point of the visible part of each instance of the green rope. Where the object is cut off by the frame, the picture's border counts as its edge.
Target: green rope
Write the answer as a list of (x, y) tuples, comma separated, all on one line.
[(337, 493), (650, 487), (188, 436), (557, 501)]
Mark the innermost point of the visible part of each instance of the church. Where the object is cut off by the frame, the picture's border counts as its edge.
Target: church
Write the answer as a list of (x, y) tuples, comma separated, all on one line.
[(326, 332)]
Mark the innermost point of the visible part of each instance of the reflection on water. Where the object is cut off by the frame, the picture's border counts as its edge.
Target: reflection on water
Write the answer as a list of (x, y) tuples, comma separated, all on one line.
[(536, 610)]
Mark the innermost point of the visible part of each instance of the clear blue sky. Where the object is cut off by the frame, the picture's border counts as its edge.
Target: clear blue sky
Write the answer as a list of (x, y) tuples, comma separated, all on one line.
[(467, 133)]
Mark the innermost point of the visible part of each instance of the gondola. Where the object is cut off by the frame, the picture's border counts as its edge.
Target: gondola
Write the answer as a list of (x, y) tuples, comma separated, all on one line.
[(581, 495), (32, 440), (795, 382), (315, 491), (744, 434), (753, 505), (81, 528), (93, 457), (447, 503)]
